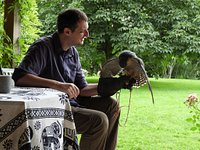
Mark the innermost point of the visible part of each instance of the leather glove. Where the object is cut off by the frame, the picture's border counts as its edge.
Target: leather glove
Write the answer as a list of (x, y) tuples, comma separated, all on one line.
[(109, 86), (1, 72)]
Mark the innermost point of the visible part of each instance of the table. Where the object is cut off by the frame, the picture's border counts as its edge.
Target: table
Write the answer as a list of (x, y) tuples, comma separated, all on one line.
[(36, 119)]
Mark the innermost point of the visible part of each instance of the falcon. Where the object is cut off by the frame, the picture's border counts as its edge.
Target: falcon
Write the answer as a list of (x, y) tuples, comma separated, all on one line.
[(125, 71)]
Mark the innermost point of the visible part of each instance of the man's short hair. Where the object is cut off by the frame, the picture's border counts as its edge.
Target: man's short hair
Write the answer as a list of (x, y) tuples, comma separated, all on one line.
[(69, 19)]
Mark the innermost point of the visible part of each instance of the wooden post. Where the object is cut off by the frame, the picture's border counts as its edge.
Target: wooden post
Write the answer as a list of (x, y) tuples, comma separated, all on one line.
[(12, 24)]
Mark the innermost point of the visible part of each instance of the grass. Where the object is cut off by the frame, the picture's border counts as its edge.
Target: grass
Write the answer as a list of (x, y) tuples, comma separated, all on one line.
[(161, 126)]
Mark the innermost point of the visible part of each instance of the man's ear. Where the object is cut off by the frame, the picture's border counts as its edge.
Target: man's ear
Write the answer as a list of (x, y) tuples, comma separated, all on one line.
[(67, 31)]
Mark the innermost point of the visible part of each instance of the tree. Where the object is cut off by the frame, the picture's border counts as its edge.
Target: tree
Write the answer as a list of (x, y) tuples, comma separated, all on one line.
[(113, 28), (161, 32), (28, 33), (164, 33), (178, 25)]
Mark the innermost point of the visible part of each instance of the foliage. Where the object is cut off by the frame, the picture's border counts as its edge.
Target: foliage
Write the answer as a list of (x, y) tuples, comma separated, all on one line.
[(28, 32), (165, 34), (48, 11), (90, 58), (177, 25), (115, 29), (29, 27), (3, 47), (167, 31), (193, 103)]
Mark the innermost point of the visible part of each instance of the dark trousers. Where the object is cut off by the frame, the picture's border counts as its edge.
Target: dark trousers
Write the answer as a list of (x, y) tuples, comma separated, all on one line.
[(98, 122)]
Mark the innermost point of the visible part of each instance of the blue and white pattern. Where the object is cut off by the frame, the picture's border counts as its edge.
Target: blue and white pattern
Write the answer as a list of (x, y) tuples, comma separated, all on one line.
[(36, 119)]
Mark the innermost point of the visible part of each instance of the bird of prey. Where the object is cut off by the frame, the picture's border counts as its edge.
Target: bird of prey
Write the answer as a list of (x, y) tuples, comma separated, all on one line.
[(128, 64)]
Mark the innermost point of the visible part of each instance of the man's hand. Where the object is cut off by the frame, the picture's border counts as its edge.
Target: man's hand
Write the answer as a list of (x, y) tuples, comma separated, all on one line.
[(71, 89)]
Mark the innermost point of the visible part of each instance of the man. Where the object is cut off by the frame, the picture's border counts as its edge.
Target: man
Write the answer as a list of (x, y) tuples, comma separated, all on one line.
[(53, 62)]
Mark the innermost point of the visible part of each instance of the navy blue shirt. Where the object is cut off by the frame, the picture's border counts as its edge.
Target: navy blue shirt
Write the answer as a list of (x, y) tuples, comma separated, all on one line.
[(46, 58)]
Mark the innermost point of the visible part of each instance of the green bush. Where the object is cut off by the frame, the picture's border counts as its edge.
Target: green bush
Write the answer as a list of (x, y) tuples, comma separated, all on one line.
[(9, 56)]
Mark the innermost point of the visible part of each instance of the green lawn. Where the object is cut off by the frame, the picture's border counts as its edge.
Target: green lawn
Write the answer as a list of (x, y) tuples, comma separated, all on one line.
[(161, 126)]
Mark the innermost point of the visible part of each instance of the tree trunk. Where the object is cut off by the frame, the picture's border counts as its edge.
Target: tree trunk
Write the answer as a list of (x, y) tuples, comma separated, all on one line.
[(170, 70), (170, 67)]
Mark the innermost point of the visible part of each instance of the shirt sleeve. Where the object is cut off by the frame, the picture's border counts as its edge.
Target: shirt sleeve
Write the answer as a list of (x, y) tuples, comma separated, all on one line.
[(80, 80), (33, 62)]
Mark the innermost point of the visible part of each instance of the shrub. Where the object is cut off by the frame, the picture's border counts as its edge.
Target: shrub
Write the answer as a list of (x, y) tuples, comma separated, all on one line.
[(193, 104)]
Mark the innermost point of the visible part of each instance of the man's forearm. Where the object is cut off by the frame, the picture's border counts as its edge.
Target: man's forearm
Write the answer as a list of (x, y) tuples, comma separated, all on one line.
[(32, 80), (90, 90)]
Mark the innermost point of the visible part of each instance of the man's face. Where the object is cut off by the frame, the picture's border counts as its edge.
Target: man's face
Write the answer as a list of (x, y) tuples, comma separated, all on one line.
[(80, 33)]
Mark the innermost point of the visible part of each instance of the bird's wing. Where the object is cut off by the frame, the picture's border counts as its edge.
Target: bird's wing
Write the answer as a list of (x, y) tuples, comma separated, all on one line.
[(135, 69), (111, 68)]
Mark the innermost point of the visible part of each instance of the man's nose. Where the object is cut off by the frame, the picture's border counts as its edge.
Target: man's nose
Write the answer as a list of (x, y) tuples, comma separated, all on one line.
[(86, 33)]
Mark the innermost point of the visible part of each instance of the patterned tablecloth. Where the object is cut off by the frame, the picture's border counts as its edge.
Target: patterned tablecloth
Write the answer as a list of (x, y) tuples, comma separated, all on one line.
[(36, 119)]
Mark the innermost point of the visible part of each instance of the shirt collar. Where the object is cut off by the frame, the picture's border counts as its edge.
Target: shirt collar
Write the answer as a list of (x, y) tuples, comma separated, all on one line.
[(58, 48), (57, 45)]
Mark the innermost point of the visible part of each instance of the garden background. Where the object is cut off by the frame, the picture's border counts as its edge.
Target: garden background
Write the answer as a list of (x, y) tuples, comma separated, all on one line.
[(164, 33)]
